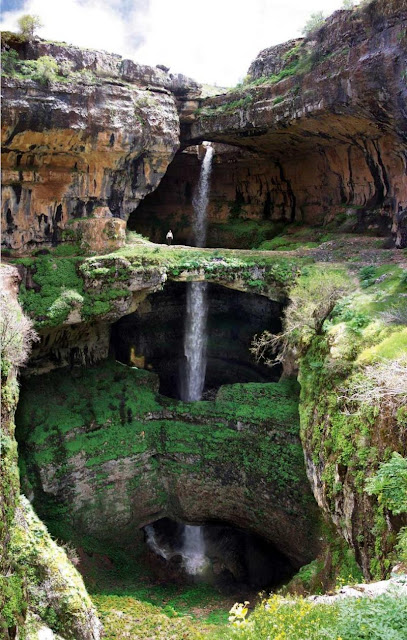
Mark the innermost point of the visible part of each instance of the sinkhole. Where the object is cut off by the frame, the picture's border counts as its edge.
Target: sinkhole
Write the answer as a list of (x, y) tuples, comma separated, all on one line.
[(153, 337), (216, 553)]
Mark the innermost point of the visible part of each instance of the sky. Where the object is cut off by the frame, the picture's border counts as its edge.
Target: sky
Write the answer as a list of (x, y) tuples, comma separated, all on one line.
[(212, 41)]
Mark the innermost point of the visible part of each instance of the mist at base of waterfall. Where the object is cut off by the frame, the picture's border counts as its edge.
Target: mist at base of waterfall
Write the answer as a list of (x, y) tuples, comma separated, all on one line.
[(229, 558), (191, 549)]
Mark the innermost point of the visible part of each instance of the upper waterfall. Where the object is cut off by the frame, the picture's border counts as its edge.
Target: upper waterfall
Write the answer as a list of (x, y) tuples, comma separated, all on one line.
[(201, 198)]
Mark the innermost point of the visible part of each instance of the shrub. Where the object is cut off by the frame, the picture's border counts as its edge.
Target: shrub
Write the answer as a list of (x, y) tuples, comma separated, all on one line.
[(16, 334), (390, 484), (386, 380), (362, 618), (9, 61), (396, 314), (367, 276), (46, 70), (312, 299), (65, 68)]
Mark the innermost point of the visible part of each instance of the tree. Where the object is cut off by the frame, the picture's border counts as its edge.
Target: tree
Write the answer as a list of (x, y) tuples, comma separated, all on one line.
[(28, 24), (312, 300), (314, 22)]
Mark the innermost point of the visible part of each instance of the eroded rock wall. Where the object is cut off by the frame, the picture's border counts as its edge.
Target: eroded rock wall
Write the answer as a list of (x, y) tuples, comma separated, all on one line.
[(325, 119), (41, 592), (363, 180), (88, 145)]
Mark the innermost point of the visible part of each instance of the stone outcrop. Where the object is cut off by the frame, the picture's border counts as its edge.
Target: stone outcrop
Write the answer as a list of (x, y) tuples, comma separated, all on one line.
[(56, 594), (74, 301), (92, 144), (320, 126)]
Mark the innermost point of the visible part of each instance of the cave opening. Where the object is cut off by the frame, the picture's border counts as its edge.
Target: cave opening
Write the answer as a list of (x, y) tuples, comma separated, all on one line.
[(152, 337), (217, 553)]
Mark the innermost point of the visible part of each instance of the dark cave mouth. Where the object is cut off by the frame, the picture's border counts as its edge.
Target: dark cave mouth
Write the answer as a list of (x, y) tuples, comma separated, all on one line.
[(229, 558), (152, 337)]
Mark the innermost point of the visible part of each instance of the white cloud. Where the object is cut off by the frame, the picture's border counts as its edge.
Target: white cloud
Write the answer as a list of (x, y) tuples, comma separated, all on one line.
[(213, 41)]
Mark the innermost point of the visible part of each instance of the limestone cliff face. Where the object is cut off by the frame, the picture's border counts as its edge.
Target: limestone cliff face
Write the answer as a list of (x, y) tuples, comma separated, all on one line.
[(84, 146), (321, 126)]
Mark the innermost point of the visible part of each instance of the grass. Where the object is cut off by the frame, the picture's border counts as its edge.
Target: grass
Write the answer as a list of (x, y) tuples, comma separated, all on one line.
[(242, 233)]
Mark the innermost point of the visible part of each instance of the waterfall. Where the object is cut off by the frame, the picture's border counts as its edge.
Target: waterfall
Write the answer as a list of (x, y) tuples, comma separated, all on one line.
[(195, 341), (193, 550), (153, 544), (201, 198), (197, 303)]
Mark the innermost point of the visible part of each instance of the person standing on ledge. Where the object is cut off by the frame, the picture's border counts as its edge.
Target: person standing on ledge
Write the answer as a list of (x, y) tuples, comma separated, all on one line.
[(169, 237)]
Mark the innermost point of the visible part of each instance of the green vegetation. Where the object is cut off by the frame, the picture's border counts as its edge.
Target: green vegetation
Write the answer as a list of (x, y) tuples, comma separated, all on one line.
[(119, 401), (91, 286), (28, 25), (340, 429), (139, 620), (59, 289), (312, 300), (390, 487), (278, 618), (128, 585), (242, 233), (230, 107), (113, 412), (53, 589), (314, 22), (44, 70)]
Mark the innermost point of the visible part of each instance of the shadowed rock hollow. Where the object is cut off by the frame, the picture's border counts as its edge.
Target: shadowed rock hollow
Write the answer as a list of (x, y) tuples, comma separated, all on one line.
[(152, 337)]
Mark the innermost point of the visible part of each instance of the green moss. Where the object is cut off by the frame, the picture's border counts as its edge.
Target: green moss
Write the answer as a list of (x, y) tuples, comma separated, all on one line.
[(113, 412), (13, 606), (342, 434), (55, 278), (242, 233), (93, 285)]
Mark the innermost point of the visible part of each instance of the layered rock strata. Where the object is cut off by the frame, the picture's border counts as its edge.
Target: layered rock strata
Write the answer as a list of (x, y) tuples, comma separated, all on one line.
[(88, 145), (321, 125)]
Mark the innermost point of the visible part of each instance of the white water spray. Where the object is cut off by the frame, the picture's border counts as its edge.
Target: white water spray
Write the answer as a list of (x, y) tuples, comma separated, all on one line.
[(193, 550), (153, 544), (197, 303)]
